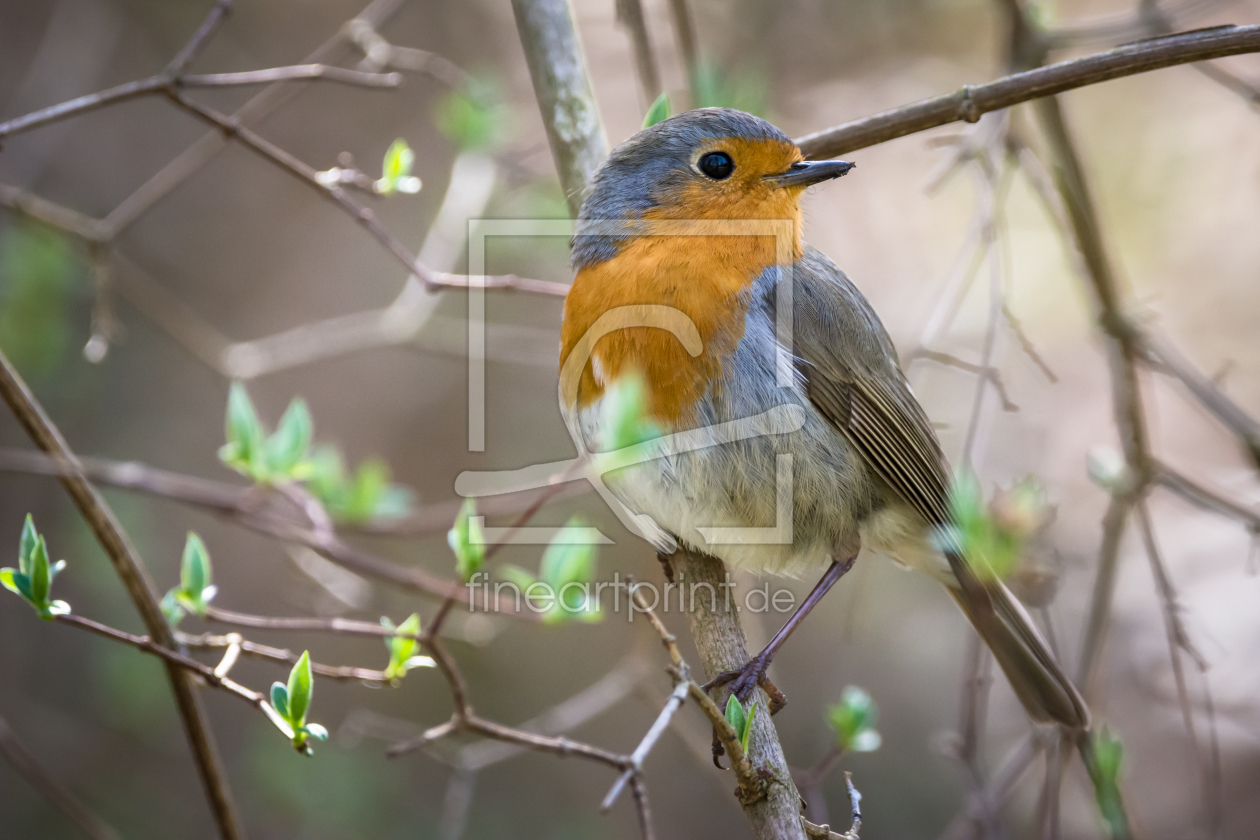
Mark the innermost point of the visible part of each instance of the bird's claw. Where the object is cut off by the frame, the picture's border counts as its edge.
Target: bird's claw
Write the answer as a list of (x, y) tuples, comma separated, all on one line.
[(744, 680)]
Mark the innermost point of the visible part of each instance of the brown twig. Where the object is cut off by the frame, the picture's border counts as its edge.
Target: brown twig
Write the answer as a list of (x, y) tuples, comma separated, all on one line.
[(971, 101), (127, 565), (210, 641), (630, 15)]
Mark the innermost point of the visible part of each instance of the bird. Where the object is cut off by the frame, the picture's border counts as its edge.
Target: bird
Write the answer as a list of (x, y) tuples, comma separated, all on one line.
[(690, 268)]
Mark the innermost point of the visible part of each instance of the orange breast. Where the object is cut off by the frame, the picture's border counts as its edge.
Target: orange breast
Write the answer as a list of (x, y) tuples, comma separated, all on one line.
[(675, 281)]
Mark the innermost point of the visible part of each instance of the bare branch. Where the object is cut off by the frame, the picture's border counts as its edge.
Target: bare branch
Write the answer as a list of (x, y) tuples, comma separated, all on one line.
[(685, 32), (292, 73), (971, 101), (200, 38), (557, 66), (210, 641), (630, 15), (131, 572)]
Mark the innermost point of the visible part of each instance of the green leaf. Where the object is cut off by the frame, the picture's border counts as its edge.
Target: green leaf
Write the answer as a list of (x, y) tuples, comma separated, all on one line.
[(19, 583), (467, 541), (736, 717), (41, 581), (396, 170), (7, 576), (470, 118), (288, 446), (172, 609), (516, 575), (747, 733), (27, 543), (194, 570), (853, 720), (991, 537), (300, 690), (401, 649), (624, 411), (243, 451), (1104, 770), (658, 111), (316, 731), (566, 561), (280, 700)]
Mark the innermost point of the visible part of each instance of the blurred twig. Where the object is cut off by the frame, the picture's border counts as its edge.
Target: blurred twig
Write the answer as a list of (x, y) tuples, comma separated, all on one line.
[(131, 572), (685, 32), (57, 794), (630, 15)]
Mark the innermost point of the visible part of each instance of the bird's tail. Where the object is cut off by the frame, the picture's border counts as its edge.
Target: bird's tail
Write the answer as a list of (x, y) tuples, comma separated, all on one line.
[(1025, 658)]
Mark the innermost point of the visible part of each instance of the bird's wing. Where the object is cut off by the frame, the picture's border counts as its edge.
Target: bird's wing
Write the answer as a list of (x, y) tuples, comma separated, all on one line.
[(851, 375)]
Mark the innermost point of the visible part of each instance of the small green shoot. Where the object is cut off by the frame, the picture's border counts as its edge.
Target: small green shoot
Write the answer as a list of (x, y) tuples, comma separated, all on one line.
[(564, 576), (291, 702), (33, 578), (467, 541), (853, 720), (740, 720), (658, 111), (402, 650), (362, 497), (195, 590), (1106, 755), (471, 117), (396, 170), (992, 536)]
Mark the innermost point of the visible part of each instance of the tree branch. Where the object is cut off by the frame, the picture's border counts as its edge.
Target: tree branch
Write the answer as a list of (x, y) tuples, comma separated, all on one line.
[(135, 579), (557, 66), (970, 102)]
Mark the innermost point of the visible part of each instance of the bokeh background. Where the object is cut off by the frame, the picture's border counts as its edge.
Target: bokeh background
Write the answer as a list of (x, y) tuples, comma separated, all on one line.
[(1175, 163)]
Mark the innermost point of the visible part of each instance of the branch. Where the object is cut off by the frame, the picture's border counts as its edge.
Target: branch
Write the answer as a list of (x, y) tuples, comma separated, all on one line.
[(971, 101), (771, 803), (685, 32), (245, 507), (210, 641), (292, 73), (557, 66), (630, 15), (173, 659), (135, 580), (25, 765)]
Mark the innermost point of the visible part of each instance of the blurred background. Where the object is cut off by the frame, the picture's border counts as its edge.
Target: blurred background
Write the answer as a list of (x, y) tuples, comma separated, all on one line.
[(240, 251)]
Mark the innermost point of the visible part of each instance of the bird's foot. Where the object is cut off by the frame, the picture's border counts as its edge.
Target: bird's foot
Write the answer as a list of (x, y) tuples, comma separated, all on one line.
[(744, 680)]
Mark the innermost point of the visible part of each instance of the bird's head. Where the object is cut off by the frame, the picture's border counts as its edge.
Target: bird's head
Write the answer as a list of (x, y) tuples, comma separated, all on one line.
[(707, 164)]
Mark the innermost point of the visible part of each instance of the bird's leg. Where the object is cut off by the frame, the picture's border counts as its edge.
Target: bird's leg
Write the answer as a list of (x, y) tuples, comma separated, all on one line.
[(754, 673)]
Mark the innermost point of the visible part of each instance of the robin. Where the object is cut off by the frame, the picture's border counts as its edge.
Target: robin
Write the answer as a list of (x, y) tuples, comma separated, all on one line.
[(691, 237)]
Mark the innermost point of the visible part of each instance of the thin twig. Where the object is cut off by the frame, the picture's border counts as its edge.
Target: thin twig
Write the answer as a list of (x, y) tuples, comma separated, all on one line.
[(970, 102), (210, 641), (292, 73), (630, 15), (131, 572)]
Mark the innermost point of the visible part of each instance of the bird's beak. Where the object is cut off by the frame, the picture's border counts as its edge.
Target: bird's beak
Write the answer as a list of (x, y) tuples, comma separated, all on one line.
[(805, 173)]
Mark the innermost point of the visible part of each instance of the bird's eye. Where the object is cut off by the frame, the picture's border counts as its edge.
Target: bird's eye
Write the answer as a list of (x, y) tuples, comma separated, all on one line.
[(717, 165)]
